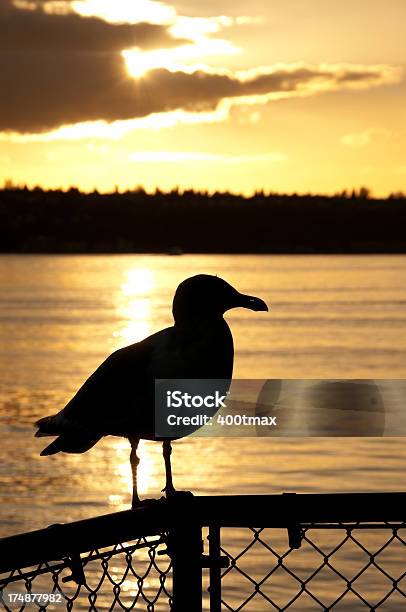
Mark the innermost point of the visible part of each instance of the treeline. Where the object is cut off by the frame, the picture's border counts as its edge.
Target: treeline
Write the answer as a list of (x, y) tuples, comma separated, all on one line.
[(38, 221)]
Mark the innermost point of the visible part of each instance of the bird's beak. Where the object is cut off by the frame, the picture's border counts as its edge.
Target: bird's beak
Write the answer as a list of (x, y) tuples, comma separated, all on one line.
[(250, 302)]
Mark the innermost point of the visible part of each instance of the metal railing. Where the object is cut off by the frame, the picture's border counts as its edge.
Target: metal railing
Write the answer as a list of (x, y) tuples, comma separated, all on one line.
[(344, 552)]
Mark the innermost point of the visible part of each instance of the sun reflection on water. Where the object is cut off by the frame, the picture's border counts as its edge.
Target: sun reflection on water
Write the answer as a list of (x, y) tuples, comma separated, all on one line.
[(139, 282), (134, 305), (146, 477), (133, 309)]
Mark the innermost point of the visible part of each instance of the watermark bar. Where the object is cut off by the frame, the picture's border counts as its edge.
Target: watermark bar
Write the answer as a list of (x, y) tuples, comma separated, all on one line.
[(278, 408)]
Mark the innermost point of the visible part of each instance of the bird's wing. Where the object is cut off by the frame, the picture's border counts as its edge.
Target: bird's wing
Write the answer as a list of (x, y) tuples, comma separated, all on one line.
[(121, 389), (118, 398)]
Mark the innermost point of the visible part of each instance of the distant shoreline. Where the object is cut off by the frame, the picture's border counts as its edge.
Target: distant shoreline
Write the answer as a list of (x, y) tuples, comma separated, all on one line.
[(57, 222)]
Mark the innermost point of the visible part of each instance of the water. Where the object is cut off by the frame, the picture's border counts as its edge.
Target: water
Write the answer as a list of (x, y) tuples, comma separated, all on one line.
[(330, 317)]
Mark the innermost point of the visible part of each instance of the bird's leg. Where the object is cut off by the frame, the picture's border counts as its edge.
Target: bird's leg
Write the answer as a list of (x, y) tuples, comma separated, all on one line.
[(167, 451), (169, 489), (134, 460)]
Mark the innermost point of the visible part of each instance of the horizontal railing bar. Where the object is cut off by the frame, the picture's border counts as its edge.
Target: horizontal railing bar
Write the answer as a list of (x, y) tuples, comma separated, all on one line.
[(59, 541), (282, 510), (154, 518)]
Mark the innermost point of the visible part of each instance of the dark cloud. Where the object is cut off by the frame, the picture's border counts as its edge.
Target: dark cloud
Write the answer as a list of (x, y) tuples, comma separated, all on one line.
[(38, 30), (42, 91), (63, 69)]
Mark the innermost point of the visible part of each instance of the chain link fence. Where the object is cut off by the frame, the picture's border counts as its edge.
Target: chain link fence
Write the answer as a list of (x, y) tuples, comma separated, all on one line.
[(343, 567), (200, 554), (127, 576)]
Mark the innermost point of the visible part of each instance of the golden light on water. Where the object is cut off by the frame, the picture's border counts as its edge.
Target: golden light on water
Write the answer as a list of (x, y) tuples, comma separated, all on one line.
[(133, 310), (139, 281), (134, 305), (146, 478), (134, 332)]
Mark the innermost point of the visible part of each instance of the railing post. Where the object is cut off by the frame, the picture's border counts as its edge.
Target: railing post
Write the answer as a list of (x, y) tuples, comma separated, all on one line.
[(215, 569), (185, 547)]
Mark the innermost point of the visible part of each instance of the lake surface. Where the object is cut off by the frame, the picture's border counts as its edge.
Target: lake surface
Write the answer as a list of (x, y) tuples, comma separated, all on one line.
[(330, 317)]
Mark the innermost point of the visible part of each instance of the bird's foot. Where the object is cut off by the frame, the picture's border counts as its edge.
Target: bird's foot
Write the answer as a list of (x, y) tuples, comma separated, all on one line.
[(171, 493), (141, 503)]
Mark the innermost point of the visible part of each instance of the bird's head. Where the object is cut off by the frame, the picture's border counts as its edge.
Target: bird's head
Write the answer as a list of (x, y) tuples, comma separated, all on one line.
[(209, 296)]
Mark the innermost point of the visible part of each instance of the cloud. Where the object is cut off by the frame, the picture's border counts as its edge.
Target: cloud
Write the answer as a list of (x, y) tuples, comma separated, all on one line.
[(117, 129), (364, 138), (42, 91), (120, 11), (58, 68), (36, 30), (193, 156)]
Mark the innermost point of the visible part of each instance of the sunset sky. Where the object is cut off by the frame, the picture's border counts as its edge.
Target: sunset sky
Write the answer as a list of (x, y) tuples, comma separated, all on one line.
[(281, 95)]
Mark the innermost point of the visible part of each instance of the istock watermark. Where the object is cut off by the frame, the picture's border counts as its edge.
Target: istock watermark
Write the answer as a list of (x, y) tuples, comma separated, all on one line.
[(277, 408), (177, 399)]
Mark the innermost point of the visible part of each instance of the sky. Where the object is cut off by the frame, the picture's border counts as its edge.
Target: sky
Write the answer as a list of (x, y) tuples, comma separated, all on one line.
[(274, 95)]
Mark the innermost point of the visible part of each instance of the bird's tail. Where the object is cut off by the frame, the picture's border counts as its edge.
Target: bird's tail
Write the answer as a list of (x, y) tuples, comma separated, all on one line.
[(70, 439), (51, 449), (70, 444), (46, 427)]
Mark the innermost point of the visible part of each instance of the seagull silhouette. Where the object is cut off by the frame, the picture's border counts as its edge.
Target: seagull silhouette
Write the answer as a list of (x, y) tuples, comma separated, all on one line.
[(118, 398)]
